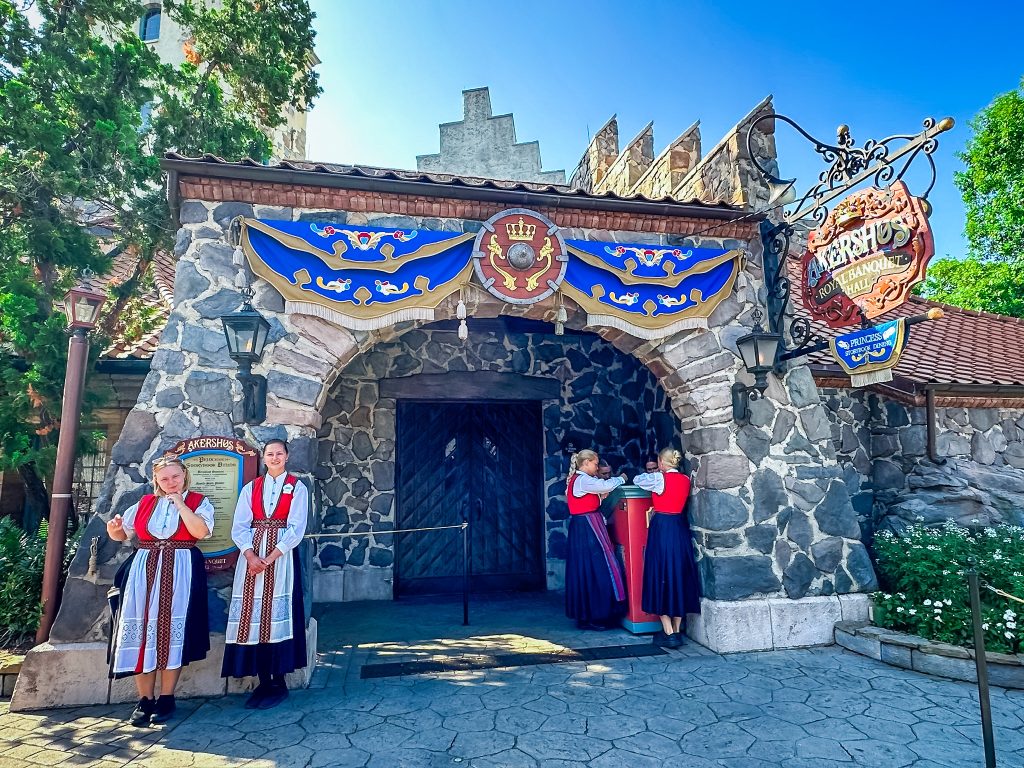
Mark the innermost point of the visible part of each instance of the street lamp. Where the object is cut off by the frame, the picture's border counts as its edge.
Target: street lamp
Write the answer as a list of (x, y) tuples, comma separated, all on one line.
[(82, 305), (246, 332), (758, 350)]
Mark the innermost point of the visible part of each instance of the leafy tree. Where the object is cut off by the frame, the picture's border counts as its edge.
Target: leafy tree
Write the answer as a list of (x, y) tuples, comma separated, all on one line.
[(74, 149), (993, 182), (989, 286)]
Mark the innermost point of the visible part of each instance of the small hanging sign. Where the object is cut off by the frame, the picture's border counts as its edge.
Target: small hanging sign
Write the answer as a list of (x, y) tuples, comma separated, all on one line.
[(868, 355)]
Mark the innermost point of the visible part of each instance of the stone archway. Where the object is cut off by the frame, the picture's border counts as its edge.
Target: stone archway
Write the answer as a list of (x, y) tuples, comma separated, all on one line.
[(780, 549)]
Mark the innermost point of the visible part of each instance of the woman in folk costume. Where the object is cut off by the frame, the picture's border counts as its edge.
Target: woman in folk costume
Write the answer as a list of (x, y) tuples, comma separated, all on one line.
[(671, 589), (266, 632), (162, 621), (595, 587)]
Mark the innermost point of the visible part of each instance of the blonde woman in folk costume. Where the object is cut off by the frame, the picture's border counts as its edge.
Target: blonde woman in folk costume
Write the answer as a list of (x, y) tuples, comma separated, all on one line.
[(266, 632), (595, 587), (162, 619), (670, 589)]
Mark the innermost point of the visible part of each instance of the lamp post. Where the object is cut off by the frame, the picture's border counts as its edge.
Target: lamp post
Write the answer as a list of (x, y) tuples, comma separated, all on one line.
[(82, 305), (246, 332), (758, 350)]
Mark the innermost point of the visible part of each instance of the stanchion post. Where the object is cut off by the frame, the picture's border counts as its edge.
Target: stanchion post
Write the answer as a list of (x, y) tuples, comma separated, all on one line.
[(465, 572), (980, 664)]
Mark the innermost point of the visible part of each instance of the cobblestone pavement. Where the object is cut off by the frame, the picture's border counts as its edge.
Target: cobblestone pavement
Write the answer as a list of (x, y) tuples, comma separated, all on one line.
[(814, 708)]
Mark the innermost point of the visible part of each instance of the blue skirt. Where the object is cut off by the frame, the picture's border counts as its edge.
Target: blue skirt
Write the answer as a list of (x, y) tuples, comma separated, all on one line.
[(595, 589), (197, 620), (671, 586), (272, 658)]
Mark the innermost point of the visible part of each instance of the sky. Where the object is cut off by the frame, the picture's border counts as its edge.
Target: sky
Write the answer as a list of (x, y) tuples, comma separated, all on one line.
[(393, 70)]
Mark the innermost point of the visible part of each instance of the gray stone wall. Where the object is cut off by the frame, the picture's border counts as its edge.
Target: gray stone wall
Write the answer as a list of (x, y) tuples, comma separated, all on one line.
[(883, 447), (609, 401), (482, 144)]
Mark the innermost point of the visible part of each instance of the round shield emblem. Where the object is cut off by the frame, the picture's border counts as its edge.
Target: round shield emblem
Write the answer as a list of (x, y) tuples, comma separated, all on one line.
[(519, 256)]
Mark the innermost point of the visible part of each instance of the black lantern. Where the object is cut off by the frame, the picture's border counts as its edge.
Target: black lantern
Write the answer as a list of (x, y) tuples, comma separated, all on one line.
[(246, 332), (82, 305), (758, 349)]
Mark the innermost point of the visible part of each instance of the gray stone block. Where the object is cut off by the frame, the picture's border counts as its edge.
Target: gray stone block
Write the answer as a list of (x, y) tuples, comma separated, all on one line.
[(762, 537), (734, 578), (865, 646), (827, 554), (944, 666), (717, 511), (170, 398), (707, 439), (816, 424), (193, 212), (720, 471), (835, 515), (769, 495), (801, 387), (225, 212), (211, 346), (798, 576), (137, 435), (222, 302), (754, 443), (294, 388), (188, 283), (209, 390), (860, 568)]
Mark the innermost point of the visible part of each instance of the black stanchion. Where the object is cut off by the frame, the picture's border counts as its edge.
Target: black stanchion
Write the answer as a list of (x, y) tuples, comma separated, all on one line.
[(465, 573), (981, 665)]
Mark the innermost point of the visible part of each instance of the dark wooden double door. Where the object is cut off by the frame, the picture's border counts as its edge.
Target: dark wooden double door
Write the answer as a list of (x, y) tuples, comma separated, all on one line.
[(478, 460)]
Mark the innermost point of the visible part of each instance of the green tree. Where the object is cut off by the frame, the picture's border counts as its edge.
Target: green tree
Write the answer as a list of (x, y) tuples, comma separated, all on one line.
[(990, 286), (993, 182), (74, 148)]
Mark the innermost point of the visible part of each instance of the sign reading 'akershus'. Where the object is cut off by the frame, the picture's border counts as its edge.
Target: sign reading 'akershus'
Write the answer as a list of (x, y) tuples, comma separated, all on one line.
[(864, 259)]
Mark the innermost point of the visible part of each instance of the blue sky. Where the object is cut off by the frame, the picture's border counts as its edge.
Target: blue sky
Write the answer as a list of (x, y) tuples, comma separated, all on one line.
[(394, 69)]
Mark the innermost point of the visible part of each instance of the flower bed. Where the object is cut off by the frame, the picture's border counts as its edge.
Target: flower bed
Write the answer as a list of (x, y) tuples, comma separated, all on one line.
[(924, 590)]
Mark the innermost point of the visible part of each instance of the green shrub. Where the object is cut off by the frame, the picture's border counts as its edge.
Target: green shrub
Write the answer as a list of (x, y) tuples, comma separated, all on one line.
[(925, 591), (21, 580)]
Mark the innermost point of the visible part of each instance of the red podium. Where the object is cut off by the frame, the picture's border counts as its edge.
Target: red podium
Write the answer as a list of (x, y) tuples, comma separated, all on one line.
[(629, 533)]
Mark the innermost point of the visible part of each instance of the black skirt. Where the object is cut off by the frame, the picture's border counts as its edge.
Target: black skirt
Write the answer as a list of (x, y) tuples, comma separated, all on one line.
[(594, 582), (671, 586), (278, 658), (197, 620)]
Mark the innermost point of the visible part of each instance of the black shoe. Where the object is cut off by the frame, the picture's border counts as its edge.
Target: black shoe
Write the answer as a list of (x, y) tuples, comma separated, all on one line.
[(666, 641), (141, 714), (165, 707), (275, 696), (259, 693)]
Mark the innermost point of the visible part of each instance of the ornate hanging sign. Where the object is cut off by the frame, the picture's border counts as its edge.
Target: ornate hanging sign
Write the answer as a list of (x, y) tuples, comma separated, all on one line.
[(519, 256), (863, 260)]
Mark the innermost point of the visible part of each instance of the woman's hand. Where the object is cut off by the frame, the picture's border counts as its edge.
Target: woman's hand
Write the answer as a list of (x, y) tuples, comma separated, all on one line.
[(115, 528), (256, 564), (177, 500)]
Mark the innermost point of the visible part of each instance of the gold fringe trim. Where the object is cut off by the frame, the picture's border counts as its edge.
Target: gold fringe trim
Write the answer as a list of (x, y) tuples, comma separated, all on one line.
[(648, 334), (358, 323)]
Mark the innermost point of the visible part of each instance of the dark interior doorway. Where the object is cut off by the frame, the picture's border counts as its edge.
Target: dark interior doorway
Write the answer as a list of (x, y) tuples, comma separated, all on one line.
[(483, 460)]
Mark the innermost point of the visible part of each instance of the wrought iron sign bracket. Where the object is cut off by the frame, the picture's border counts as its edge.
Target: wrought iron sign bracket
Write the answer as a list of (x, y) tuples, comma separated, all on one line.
[(883, 162)]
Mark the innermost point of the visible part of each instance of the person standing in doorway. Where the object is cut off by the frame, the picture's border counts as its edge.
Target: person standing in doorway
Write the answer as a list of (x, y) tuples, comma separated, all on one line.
[(266, 635), (162, 616), (670, 587), (595, 587)]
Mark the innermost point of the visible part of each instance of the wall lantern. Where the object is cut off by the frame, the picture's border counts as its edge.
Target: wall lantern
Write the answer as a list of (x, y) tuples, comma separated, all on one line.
[(246, 332), (82, 305), (758, 350)]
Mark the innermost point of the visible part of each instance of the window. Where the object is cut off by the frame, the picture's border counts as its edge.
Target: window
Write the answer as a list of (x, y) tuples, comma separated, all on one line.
[(89, 472), (149, 26)]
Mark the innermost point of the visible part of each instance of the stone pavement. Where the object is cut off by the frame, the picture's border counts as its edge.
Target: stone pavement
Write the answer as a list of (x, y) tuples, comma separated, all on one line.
[(814, 708)]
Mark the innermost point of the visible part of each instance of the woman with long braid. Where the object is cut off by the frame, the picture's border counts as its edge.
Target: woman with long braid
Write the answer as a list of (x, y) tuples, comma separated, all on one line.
[(671, 589), (595, 587), (266, 632)]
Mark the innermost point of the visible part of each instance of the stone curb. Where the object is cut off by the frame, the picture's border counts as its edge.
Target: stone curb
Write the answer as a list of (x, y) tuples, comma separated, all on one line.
[(10, 666), (931, 658)]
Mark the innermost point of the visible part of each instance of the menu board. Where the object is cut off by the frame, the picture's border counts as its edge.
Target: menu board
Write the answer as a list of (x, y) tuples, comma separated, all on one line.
[(220, 467)]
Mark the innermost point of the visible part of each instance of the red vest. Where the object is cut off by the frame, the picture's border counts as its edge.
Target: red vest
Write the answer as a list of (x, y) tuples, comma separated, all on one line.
[(673, 498), (284, 502), (589, 503), (145, 511)]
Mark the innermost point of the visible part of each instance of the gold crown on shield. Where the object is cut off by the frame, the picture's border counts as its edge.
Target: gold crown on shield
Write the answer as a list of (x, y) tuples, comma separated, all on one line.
[(849, 210), (520, 231)]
